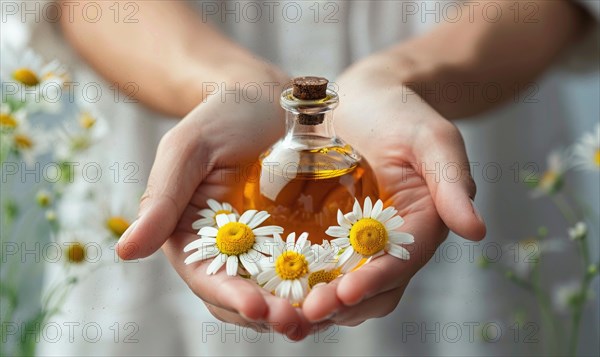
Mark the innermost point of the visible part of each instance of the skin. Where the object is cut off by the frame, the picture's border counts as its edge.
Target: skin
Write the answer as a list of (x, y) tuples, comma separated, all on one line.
[(409, 126)]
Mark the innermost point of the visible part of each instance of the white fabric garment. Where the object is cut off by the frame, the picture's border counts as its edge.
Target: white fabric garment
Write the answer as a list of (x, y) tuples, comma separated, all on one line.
[(446, 304)]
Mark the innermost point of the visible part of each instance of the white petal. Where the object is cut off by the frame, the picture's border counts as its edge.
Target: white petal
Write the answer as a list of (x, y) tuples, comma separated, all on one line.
[(301, 242), (208, 231), (227, 207), (232, 265), (249, 264), (247, 216), (356, 210), (352, 262), (265, 276), (291, 238), (351, 217), (297, 292), (222, 219), (272, 284), (401, 237), (393, 223), (386, 214), (201, 255), (345, 255), (267, 230), (342, 220), (216, 264), (207, 213), (398, 252), (214, 205), (367, 207), (377, 209), (200, 243), (258, 219), (337, 231), (203, 222), (340, 242), (284, 289)]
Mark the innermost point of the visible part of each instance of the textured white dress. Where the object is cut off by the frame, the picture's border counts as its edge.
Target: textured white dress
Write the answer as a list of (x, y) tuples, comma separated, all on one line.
[(447, 303)]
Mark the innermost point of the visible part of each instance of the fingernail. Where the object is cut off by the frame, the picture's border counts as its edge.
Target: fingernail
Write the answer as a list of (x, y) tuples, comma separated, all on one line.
[(127, 232), (249, 319), (476, 211)]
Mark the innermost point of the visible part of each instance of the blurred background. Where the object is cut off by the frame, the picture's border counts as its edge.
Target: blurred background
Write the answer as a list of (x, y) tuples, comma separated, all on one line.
[(517, 292)]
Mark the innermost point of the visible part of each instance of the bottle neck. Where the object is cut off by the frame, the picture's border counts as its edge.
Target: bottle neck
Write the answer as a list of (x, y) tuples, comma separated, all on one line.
[(296, 130)]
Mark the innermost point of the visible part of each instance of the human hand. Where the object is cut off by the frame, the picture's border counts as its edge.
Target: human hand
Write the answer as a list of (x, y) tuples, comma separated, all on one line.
[(422, 169), (203, 157)]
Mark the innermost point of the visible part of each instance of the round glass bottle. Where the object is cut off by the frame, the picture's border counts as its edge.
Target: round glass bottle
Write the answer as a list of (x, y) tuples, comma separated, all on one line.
[(304, 178)]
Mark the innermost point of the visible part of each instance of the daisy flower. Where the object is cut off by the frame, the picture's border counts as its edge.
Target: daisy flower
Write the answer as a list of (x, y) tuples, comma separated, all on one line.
[(521, 257), (28, 142), (586, 153), (78, 135), (368, 233), (551, 180), (327, 254), (34, 78), (209, 214), (10, 120), (286, 273), (233, 241), (568, 295)]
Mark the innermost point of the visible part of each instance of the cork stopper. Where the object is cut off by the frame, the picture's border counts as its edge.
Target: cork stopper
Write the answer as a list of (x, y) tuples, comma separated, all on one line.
[(310, 88)]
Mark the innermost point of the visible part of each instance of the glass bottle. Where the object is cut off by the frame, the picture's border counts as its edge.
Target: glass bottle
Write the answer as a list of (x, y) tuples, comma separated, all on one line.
[(304, 178)]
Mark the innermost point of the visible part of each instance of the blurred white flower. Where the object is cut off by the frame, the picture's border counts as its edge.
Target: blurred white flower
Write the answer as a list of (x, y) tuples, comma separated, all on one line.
[(208, 214), (10, 120), (32, 81), (551, 180), (521, 257), (586, 152), (568, 295), (28, 142), (578, 231), (79, 134)]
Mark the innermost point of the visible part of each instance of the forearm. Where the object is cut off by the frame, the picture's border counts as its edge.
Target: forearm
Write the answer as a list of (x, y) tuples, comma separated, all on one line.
[(168, 53), (472, 65)]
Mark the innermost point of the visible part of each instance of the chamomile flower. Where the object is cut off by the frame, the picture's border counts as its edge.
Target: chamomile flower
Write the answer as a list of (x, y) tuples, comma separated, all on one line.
[(286, 272), (568, 295), (368, 233), (209, 214), (28, 142), (36, 81), (233, 241), (326, 254), (551, 180), (10, 120), (586, 153), (523, 256), (78, 135)]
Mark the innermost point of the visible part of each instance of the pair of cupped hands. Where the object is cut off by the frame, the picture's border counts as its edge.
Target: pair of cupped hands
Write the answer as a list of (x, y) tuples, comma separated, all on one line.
[(417, 155)]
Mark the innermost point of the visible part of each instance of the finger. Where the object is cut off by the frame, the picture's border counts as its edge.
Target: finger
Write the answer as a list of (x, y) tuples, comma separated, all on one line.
[(236, 319), (322, 302), (285, 319), (442, 161), (387, 272), (378, 306), (175, 175), (231, 293)]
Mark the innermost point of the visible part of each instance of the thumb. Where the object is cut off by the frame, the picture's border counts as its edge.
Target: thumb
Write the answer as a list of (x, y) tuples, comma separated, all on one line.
[(175, 175), (442, 161)]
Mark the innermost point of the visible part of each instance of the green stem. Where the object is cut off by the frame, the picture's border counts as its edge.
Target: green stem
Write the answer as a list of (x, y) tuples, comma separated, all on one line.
[(581, 300), (545, 308), (565, 208)]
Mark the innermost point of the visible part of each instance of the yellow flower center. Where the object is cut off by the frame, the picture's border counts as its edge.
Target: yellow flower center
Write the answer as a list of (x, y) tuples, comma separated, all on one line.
[(549, 179), (235, 238), (23, 142), (7, 121), (26, 77), (291, 265), (76, 253), (43, 199), (368, 236), (80, 143), (322, 276), (117, 225), (597, 157), (86, 120)]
